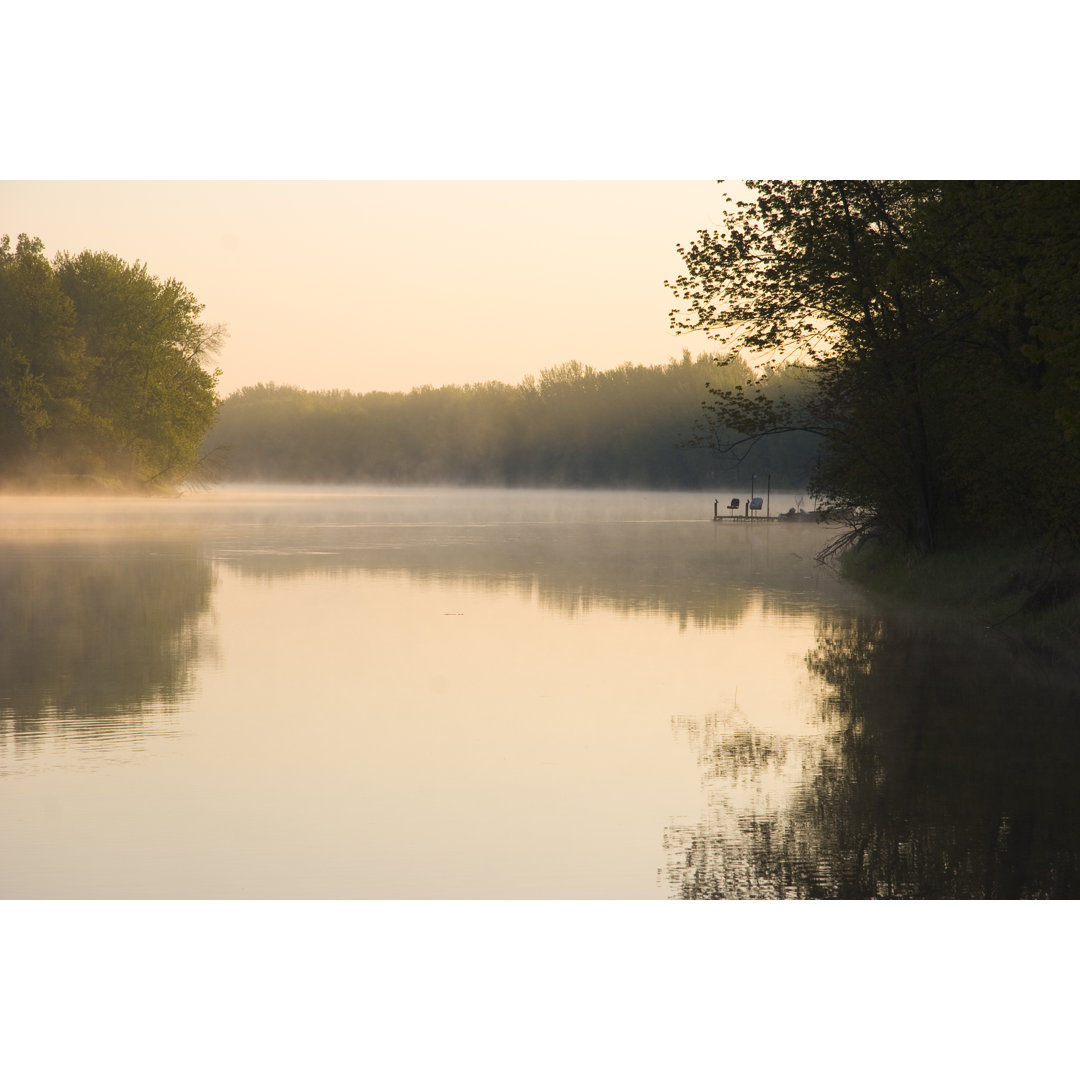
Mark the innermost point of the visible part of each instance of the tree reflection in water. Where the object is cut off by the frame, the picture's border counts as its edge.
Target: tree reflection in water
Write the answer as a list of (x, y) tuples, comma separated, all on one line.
[(939, 768), (97, 633), (753, 842)]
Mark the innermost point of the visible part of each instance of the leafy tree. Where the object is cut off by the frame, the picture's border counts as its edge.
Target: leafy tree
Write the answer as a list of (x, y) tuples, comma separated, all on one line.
[(818, 270), (148, 393), (1008, 255), (928, 320), (40, 357), (103, 369)]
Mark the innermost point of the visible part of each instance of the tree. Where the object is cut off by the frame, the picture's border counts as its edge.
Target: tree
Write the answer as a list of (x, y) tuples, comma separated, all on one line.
[(1008, 253), (571, 426), (929, 318), (149, 395), (104, 369), (40, 356)]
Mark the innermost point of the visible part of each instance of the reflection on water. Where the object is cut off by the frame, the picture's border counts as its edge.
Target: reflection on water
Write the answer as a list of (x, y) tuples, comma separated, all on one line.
[(631, 567), (448, 694), (936, 768), (96, 636), (633, 552)]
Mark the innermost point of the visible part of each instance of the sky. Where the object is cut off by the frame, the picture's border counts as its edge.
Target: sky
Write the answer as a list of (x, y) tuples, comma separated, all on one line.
[(387, 285), (381, 197)]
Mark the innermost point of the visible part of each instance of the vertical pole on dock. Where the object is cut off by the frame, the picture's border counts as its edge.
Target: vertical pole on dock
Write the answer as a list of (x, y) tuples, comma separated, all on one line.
[(768, 497)]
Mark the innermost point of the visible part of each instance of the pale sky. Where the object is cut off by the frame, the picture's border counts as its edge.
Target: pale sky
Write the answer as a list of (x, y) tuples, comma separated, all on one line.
[(374, 197), (386, 285)]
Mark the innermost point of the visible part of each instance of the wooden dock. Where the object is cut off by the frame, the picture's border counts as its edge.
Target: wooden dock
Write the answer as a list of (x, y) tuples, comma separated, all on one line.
[(800, 517), (750, 511)]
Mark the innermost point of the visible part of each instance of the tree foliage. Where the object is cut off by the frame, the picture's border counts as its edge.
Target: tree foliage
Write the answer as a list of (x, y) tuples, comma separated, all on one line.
[(936, 327), (571, 426), (104, 369)]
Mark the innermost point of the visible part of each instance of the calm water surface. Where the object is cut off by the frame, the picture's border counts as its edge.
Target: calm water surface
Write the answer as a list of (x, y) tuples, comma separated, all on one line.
[(366, 693)]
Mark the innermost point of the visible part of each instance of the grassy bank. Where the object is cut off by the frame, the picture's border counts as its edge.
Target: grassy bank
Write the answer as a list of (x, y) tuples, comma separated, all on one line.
[(1027, 596)]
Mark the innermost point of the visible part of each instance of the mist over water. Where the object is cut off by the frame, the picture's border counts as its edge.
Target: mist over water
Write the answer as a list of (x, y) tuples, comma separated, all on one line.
[(443, 693)]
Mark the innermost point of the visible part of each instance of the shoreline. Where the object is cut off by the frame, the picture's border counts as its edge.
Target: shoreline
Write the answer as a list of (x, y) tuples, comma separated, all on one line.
[(1020, 596)]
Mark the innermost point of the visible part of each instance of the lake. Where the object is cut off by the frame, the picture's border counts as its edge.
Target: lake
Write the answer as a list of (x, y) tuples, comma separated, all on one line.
[(400, 693)]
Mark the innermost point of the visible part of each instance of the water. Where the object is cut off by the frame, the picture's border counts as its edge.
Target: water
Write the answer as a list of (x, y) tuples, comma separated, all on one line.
[(365, 693)]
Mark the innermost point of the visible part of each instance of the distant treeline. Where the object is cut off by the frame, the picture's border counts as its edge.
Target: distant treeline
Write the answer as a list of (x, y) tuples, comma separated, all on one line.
[(572, 426)]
